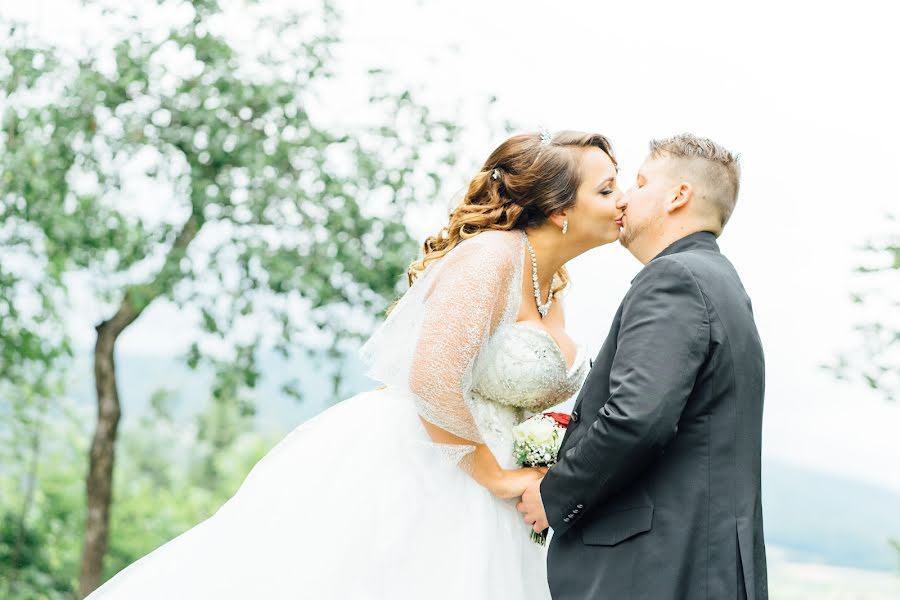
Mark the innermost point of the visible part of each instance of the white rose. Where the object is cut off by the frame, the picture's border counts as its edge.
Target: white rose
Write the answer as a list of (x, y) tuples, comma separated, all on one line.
[(538, 430)]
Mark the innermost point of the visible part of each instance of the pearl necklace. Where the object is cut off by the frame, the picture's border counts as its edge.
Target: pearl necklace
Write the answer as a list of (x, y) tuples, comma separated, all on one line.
[(542, 308)]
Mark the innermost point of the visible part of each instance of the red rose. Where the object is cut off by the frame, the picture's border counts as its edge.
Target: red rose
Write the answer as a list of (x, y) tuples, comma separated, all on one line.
[(562, 419)]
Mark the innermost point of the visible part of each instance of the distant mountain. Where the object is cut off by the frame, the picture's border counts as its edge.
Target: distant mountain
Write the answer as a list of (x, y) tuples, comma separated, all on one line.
[(818, 517), (139, 376), (812, 517)]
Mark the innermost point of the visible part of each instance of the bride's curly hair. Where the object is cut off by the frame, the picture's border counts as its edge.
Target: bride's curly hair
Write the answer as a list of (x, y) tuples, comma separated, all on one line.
[(520, 185)]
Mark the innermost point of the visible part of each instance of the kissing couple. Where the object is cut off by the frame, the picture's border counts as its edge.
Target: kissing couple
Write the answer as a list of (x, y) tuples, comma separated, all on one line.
[(413, 490)]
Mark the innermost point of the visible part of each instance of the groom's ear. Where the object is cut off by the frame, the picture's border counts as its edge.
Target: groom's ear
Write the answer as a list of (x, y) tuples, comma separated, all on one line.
[(680, 197)]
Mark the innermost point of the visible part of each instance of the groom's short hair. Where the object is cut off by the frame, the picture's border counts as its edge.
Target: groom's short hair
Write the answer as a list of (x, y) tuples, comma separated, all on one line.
[(714, 171)]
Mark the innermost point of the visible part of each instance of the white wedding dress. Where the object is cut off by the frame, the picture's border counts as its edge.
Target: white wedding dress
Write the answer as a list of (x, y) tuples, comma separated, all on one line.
[(357, 502)]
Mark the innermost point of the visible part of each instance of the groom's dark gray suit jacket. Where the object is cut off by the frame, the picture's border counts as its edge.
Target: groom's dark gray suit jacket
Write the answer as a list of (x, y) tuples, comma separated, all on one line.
[(657, 491)]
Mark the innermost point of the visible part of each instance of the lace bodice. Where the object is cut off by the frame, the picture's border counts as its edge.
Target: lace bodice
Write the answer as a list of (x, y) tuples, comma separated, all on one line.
[(453, 345), (520, 371), (522, 366)]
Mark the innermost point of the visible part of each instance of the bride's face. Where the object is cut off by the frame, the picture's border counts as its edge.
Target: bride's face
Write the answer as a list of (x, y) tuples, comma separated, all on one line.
[(592, 221)]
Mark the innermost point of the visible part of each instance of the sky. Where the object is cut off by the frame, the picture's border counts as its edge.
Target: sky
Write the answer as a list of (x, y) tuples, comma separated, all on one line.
[(805, 92)]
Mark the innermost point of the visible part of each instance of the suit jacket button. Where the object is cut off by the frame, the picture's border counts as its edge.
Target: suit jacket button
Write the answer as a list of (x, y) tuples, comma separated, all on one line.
[(566, 520), (574, 416), (580, 505)]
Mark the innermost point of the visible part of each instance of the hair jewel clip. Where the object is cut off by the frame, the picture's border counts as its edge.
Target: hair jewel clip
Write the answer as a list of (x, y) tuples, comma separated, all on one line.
[(495, 174), (546, 136)]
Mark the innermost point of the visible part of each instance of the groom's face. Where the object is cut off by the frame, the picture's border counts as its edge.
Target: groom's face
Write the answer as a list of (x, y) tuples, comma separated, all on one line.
[(642, 205)]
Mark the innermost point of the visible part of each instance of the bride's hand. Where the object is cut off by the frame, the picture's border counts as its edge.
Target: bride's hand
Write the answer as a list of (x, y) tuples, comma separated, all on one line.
[(512, 483), (502, 483)]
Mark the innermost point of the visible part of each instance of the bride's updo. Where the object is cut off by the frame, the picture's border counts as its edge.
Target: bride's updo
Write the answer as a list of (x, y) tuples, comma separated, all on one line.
[(522, 182)]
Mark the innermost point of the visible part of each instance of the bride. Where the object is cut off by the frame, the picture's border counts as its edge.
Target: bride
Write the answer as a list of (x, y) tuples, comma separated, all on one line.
[(409, 491)]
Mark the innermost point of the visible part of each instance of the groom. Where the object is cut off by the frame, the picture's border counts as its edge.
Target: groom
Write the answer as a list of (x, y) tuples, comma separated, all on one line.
[(656, 494)]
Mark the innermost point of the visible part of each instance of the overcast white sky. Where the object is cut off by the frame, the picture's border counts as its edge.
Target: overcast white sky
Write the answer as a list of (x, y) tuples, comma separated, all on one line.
[(806, 92)]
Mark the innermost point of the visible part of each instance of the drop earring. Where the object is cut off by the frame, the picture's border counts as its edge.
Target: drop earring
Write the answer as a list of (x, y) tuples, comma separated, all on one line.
[(565, 226)]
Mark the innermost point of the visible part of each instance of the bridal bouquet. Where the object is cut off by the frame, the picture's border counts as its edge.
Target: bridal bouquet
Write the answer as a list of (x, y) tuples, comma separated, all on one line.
[(536, 444)]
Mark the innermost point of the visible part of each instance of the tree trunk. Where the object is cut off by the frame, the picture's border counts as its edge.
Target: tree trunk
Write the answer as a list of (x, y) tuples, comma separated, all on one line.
[(102, 456)]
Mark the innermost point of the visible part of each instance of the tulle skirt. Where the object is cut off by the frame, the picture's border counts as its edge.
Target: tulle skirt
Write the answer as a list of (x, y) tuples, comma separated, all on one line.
[(353, 504)]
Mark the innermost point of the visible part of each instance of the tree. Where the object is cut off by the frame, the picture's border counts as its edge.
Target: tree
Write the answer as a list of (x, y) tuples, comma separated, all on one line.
[(158, 494), (270, 224), (876, 361)]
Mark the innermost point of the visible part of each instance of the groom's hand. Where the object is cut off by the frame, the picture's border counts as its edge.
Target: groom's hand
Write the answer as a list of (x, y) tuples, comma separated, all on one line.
[(533, 507)]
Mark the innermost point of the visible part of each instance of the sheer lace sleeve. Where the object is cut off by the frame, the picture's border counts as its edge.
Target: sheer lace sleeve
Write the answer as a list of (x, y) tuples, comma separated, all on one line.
[(429, 343), (463, 307)]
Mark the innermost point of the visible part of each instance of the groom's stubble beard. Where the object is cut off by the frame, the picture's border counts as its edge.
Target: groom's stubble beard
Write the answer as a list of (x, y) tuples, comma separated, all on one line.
[(629, 234)]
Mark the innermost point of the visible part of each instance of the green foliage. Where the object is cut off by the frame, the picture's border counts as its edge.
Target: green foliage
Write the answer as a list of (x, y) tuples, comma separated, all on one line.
[(180, 164), (160, 491), (259, 212), (876, 361), (40, 491)]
